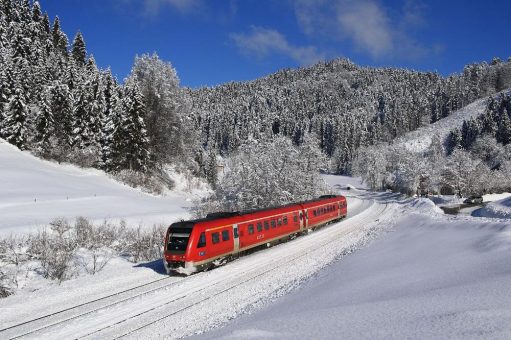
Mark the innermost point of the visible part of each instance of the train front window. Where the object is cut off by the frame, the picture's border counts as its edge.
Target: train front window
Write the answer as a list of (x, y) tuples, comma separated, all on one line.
[(178, 242), (178, 237)]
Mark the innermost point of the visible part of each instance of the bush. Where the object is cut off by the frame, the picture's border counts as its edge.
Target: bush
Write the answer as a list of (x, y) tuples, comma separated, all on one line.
[(138, 179), (65, 249)]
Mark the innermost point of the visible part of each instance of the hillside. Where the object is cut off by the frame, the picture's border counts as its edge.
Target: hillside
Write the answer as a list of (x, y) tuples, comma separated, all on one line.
[(33, 192), (344, 105), (420, 139)]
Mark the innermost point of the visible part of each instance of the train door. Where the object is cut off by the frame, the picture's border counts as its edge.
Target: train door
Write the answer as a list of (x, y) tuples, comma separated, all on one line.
[(304, 219), (236, 238)]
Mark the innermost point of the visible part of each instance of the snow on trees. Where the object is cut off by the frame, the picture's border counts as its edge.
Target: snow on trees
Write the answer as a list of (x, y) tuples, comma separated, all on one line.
[(165, 106), (78, 51), (263, 174), (129, 140), (14, 128)]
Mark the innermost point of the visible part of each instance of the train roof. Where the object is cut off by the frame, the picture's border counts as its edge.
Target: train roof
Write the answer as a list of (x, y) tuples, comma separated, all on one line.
[(220, 215)]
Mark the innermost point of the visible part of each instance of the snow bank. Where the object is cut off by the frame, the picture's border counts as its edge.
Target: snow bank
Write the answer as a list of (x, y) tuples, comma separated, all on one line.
[(34, 191), (497, 209)]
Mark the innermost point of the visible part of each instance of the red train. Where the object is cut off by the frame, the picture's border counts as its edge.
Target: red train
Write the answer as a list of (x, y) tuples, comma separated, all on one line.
[(199, 244)]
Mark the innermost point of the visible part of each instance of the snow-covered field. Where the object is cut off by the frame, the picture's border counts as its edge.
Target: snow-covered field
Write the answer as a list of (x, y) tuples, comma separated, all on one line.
[(432, 277), (395, 268), (33, 192)]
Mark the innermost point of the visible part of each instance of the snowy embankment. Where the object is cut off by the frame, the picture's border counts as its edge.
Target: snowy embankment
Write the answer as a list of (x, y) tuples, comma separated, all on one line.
[(497, 209), (33, 192), (434, 276)]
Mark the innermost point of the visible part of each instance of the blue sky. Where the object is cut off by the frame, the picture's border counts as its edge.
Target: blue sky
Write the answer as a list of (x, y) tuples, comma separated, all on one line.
[(216, 41)]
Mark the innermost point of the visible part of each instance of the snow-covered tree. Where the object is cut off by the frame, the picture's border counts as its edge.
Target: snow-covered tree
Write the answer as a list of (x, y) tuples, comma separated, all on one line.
[(14, 128), (457, 172), (130, 141), (78, 51), (165, 106)]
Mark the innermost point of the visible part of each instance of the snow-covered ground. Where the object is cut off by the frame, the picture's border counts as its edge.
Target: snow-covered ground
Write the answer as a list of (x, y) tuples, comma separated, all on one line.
[(432, 277), (395, 268), (33, 192)]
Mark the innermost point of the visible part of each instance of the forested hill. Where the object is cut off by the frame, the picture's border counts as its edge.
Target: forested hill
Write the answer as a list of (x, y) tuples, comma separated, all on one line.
[(346, 106), (55, 101)]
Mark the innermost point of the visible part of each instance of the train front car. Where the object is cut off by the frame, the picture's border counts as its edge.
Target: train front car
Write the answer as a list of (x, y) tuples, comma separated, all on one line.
[(178, 238)]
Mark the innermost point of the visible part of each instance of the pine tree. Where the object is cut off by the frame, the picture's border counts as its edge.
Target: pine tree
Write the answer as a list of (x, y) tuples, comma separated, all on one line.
[(59, 38), (14, 126), (78, 50), (62, 110), (44, 126), (504, 129), (130, 142), (109, 121), (81, 135)]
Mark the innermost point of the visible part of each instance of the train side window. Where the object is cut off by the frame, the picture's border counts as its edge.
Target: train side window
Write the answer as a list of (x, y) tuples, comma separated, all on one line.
[(225, 235), (266, 225), (236, 233), (259, 226), (284, 220), (279, 223), (202, 240), (318, 211), (273, 223), (215, 238), (295, 218), (250, 229)]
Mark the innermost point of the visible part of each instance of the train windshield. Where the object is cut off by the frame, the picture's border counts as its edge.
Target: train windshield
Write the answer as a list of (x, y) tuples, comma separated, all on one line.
[(178, 240)]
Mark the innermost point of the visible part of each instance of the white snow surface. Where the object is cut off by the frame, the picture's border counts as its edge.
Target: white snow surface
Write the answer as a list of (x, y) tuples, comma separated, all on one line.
[(395, 268), (434, 276), (33, 192)]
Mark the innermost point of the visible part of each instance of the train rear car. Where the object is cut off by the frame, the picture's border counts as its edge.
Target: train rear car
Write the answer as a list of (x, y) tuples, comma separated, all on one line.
[(324, 209)]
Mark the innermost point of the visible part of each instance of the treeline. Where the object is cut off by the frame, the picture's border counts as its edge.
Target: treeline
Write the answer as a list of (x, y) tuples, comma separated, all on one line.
[(343, 105), (56, 102)]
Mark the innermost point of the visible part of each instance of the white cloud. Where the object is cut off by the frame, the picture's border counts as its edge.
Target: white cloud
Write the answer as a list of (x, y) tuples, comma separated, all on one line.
[(367, 24), (263, 42), (152, 7)]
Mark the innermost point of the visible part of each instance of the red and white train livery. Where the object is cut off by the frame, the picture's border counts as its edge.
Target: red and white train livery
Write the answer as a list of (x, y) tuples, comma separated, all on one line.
[(198, 244)]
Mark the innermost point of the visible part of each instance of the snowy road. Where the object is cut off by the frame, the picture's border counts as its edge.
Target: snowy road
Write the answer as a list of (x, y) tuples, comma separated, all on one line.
[(176, 307)]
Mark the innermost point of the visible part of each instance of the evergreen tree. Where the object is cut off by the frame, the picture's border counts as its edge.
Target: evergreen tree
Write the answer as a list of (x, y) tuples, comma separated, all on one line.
[(78, 51), (504, 129), (14, 126), (62, 110), (130, 142), (59, 38), (109, 121), (44, 126)]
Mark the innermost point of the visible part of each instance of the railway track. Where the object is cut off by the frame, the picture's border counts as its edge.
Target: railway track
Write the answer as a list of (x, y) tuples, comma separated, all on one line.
[(148, 306), (31, 326)]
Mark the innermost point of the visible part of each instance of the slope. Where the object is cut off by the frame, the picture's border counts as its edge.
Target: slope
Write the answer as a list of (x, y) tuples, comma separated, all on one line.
[(33, 192), (420, 139)]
